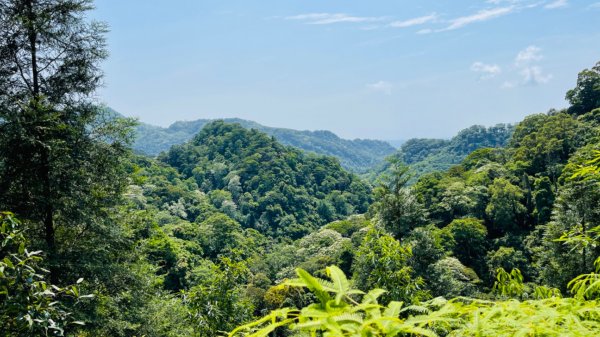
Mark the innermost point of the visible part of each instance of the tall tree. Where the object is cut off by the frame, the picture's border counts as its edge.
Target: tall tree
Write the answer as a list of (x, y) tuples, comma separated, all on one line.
[(586, 95), (396, 204), (60, 156)]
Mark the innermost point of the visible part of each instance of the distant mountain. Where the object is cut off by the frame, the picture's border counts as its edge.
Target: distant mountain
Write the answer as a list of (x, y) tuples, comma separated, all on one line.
[(358, 155), (397, 143), (425, 155)]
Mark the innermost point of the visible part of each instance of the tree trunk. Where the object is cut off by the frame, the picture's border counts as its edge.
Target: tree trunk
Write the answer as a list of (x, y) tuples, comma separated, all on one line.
[(33, 46), (48, 209)]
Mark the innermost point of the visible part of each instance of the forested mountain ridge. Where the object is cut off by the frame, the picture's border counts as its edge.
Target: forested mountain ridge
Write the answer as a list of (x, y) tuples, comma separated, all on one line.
[(424, 155), (357, 155), (362, 156)]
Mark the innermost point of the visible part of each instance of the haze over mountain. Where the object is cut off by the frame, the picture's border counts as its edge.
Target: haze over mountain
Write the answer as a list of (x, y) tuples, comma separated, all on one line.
[(357, 155)]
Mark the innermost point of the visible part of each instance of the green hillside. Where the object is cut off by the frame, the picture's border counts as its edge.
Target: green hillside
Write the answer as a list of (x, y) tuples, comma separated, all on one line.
[(425, 155), (276, 189), (357, 155)]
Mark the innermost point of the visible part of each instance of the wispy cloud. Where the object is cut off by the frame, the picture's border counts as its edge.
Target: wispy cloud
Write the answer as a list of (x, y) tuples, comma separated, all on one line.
[(533, 75), (331, 18), (557, 4), (527, 67), (486, 71), (381, 86), (528, 55), (415, 21), (482, 15), (527, 62)]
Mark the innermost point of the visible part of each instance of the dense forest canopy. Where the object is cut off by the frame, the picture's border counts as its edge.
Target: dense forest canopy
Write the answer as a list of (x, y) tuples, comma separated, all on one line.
[(235, 234), (275, 189)]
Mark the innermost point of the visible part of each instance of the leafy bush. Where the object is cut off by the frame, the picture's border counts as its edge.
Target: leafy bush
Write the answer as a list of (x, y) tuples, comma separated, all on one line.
[(29, 306)]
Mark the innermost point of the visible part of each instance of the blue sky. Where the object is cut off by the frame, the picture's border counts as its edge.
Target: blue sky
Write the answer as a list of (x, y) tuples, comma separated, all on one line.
[(385, 69)]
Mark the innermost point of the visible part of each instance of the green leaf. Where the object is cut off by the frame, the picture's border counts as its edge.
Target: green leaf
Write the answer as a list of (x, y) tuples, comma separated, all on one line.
[(313, 285), (340, 282)]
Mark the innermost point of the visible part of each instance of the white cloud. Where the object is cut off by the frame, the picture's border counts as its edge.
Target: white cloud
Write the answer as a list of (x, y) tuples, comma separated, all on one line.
[(557, 4), (331, 18), (415, 21), (482, 15), (533, 75), (381, 86), (487, 71), (528, 55)]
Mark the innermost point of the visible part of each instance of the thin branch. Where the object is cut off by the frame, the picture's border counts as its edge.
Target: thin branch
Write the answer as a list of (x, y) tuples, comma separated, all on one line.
[(53, 60), (22, 73)]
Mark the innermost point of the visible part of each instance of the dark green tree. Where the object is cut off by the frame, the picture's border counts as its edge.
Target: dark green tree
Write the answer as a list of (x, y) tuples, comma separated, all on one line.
[(396, 204), (60, 155), (468, 238), (505, 208), (544, 200), (585, 97)]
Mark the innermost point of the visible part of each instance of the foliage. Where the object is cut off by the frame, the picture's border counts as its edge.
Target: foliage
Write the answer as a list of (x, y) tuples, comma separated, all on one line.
[(505, 208), (397, 208), (585, 96), (30, 306), (217, 303), (467, 238), (340, 311), (449, 277), (60, 159), (383, 262)]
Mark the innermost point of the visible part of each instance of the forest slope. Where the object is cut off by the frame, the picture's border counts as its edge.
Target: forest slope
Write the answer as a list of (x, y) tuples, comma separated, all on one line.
[(425, 155), (357, 155), (274, 188)]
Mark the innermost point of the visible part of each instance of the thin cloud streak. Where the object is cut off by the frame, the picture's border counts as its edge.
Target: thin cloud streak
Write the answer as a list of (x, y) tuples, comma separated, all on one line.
[(481, 16), (415, 21), (331, 18), (557, 4)]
